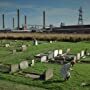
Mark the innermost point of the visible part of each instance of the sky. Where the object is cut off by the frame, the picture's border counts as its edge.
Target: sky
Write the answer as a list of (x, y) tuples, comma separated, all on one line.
[(57, 11)]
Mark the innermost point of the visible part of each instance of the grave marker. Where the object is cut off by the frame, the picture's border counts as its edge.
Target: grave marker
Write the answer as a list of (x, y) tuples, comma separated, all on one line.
[(14, 68), (7, 45), (24, 47), (32, 64), (48, 74), (50, 55), (55, 53), (60, 51), (78, 56), (82, 53), (24, 65)]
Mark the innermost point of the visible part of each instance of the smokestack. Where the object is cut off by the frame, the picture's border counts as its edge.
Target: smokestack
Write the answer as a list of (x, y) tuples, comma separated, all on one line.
[(25, 19), (43, 19), (18, 19), (3, 21), (13, 23)]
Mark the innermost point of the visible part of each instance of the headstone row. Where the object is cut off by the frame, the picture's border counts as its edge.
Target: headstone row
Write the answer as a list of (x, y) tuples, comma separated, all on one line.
[(11, 68)]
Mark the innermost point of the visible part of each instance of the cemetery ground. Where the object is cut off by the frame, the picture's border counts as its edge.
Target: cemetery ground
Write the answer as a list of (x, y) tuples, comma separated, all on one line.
[(16, 81)]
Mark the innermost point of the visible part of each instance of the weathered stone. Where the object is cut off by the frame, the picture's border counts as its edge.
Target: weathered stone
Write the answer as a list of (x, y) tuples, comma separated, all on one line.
[(55, 53), (50, 55), (14, 51), (14, 68), (42, 57), (60, 51), (78, 56), (7, 45), (24, 47), (48, 74), (35, 42), (82, 53), (24, 65), (68, 50), (32, 64), (4, 68), (50, 41)]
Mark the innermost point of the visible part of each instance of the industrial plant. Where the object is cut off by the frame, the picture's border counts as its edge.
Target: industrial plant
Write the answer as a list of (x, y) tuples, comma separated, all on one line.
[(79, 28)]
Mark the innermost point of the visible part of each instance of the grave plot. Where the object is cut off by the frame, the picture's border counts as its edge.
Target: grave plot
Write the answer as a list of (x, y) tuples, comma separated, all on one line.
[(41, 57)]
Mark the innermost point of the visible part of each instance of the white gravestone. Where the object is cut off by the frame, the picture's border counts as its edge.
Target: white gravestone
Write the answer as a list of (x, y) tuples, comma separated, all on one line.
[(55, 53), (60, 51), (35, 42), (78, 56), (7, 45), (24, 65), (50, 41), (43, 58), (82, 53), (32, 64)]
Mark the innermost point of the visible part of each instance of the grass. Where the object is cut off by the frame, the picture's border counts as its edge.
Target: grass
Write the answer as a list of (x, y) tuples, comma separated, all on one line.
[(45, 36), (79, 75)]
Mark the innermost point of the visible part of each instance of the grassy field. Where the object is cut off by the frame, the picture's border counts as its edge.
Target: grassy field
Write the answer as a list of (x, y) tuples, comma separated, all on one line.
[(79, 75)]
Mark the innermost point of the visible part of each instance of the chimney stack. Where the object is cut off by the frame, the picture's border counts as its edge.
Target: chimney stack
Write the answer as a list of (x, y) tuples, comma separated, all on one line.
[(13, 23), (3, 22), (18, 19), (25, 17), (43, 19)]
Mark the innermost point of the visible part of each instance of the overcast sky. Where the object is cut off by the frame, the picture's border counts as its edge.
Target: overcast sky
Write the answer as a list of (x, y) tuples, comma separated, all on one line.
[(57, 11)]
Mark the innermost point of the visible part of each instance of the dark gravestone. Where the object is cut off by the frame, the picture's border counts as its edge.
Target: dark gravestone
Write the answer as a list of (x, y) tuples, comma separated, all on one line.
[(4, 68)]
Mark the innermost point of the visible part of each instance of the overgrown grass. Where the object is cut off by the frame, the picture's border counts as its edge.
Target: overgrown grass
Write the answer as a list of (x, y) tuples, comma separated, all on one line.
[(79, 75), (46, 36)]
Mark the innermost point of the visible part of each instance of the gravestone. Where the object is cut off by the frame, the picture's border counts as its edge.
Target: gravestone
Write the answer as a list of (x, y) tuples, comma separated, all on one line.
[(78, 56), (42, 57), (24, 65), (48, 74), (32, 64), (14, 51), (60, 51), (55, 53), (14, 68), (4, 68), (7, 45), (82, 53), (24, 47), (50, 55), (35, 42), (50, 41), (68, 50)]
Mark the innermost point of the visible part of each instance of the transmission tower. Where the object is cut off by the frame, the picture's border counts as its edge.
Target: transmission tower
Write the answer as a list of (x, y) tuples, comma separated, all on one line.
[(80, 19)]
